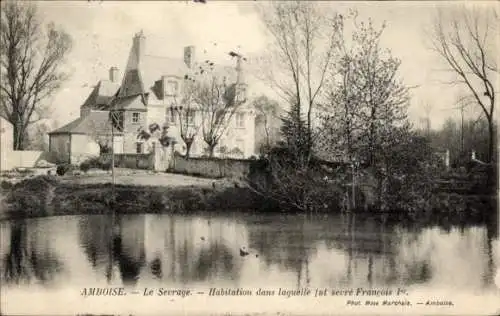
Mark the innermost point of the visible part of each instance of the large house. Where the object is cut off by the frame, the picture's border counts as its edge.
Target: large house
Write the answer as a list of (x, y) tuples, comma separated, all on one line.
[(146, 95)]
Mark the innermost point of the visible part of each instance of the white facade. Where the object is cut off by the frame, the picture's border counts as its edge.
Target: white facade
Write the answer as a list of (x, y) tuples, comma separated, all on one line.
[(239, 133), (6, 143)]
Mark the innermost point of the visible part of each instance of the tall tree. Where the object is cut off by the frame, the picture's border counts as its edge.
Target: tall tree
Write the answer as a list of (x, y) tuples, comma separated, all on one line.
[(294, 134), (218, 101), (267, 122), (367, 99), (305, 40), (368, 103), (466, 40), (184, 111), (31, 59)]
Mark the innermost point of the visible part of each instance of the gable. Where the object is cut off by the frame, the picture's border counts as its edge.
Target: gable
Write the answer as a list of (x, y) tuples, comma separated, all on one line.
[(101, 95), (135, 102), (132, 84)]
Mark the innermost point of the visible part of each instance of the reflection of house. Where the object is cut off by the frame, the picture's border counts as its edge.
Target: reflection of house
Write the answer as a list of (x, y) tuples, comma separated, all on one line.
[(145, 96)]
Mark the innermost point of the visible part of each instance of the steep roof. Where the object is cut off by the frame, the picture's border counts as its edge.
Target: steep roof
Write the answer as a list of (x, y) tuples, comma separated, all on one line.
[(133, 102), (101, 95), (132, 84), (95, 123), (152, 68)]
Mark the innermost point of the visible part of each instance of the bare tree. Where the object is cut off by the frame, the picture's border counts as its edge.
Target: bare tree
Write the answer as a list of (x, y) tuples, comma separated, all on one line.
[(305, 40), (218, 102), (184, 110), (31, 56), (466, 40), (268, 112)]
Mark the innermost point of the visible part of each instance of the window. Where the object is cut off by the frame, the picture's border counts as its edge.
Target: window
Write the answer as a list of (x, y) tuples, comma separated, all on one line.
[(135, 117), (117, 119), (138, 148), (172, 87), (240, 120), (190, 117)]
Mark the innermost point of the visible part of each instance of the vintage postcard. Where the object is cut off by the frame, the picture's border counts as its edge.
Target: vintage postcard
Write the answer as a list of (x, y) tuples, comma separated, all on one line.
[(249, 158)]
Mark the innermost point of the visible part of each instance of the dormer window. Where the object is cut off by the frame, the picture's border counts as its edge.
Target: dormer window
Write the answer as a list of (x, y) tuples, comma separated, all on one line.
[(171, 88)]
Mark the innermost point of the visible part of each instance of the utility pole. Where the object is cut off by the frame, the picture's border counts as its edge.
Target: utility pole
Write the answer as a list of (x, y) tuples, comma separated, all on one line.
[(113, 150), (115, 119)]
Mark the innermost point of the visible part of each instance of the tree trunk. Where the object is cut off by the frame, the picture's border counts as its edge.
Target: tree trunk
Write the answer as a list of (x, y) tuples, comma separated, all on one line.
[(188, 148), (491, 140), (19, 137), (211, 150)]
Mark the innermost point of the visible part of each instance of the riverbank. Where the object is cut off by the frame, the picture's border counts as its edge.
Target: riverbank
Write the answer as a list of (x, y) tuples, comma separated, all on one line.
[(52, 196), (134, 193)]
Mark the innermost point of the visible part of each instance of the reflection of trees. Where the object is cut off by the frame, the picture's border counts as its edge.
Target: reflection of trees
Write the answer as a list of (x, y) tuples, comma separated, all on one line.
[(102, 240), (94, 234), (491, 235), (155, 267), (414, 257), (129, 266), (289, 246), (27, 258), (213, 258), (367, 245), (418, 271), (186, 249), (216, 260), (16, 267)]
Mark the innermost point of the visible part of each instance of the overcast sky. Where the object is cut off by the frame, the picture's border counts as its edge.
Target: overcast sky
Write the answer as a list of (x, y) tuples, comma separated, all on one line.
[(103, 31)]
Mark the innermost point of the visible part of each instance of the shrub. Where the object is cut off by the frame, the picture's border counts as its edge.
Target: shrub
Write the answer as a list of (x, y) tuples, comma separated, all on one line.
[(63, 169), (96, 163), (106, 165), (5, 185), (84, 166)]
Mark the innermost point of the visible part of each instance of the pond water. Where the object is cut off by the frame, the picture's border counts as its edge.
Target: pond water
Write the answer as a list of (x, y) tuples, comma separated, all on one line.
[(51, 260)]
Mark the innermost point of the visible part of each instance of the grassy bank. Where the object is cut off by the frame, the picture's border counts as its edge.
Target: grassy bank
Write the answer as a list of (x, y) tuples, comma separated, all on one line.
[(51, 196)]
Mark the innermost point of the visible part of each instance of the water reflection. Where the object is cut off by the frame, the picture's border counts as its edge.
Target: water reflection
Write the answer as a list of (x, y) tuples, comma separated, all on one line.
[(27, 254), (290, 251)]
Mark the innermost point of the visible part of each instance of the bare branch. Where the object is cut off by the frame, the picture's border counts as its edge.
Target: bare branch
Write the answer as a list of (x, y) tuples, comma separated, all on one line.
[(31, 59)]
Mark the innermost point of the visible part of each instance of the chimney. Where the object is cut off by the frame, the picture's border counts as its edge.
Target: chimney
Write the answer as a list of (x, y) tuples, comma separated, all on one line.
[(239, 70), (189, 56), (163, 87), (139, 46), (113, 74)]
